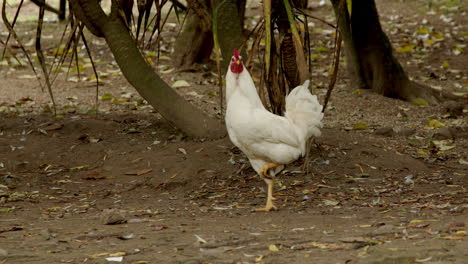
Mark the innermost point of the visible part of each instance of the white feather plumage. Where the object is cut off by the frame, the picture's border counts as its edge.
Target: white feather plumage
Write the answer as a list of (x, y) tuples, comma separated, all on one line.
[(263, 136)]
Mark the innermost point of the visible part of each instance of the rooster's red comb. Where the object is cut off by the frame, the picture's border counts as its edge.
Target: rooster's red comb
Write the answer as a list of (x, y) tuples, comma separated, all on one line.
[(235, 53)]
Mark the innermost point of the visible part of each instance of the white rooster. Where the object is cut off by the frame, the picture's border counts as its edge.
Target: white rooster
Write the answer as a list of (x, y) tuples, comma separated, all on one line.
[(268, 140)]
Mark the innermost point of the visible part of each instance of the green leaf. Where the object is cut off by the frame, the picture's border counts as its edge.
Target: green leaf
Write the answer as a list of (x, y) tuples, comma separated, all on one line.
[(321, 49), (273, 248), (420, 102), (407, 48), (106, 96), (422, 31), (434, 123), (360, 126)]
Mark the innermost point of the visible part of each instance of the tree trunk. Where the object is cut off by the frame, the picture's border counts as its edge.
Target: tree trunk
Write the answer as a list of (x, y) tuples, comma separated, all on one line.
[(229, 29), (352, 60), (198, 32), (141, 76), (201, 43), (370, 55)]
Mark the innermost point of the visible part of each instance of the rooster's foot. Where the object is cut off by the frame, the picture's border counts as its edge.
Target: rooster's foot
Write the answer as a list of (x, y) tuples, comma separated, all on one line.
[(269, 207)]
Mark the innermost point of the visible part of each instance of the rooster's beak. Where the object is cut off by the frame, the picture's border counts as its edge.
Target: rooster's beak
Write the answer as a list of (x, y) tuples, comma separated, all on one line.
[(238, 62)]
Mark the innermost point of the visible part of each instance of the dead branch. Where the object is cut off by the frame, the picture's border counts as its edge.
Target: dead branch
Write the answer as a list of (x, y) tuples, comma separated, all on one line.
[(40, 57)]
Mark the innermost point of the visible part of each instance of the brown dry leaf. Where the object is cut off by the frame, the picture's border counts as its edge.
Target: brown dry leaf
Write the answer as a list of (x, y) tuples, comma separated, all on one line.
[(118, 254), (160, 227), (420, 225), (354, 240), (139, 172), (183, 151), (311, 190), (329, 246), (54, 126), (97, 255), (11, 228), (93, 176), (423, 260), (78, 168), (330, 202)]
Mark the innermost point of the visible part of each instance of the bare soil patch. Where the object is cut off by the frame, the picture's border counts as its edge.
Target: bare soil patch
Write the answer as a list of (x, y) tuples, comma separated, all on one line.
[(87, 188)]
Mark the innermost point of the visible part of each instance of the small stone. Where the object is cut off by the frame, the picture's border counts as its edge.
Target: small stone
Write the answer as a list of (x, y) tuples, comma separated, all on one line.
[(3, 252), (113, 217), (46, 234), (385, 131), (443, 133)]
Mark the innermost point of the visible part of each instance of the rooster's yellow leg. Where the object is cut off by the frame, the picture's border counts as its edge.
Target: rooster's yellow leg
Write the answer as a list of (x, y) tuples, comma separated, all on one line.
[(264, 174), (269, 204), (265, 168)]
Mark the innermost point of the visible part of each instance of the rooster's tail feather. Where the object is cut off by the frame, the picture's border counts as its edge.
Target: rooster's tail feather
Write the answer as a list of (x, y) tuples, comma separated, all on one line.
[(304, 110)]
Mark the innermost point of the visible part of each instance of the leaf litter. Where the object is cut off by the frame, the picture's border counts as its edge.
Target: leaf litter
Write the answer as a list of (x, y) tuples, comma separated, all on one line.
[(239, 190)]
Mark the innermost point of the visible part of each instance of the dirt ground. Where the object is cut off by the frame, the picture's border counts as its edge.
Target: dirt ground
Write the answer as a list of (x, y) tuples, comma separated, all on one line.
[(124, 186)]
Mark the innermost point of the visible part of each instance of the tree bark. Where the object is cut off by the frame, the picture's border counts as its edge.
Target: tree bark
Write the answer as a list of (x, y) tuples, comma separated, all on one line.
[(229, 30), (370, 55), (141, 76), (352, 60), (194, 44), (198, 32)]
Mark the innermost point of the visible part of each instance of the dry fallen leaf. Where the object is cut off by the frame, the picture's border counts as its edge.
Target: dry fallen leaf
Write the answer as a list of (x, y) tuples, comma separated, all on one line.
[(443, 145), (12, 228), (139, 172), (118, 254), (354, 239), (330, 202), (160, 227), (183, 151), (180, 84), (54, 126), (93, 176)]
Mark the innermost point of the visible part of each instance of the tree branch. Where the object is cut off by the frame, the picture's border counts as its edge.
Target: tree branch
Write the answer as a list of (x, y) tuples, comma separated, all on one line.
[(142, 76)]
